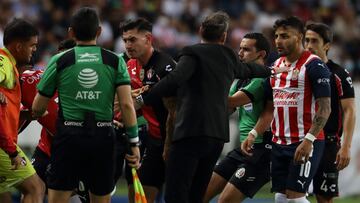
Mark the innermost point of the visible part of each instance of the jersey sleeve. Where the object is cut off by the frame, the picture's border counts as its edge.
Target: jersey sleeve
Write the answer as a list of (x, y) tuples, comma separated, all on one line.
[(268, 92), (5, 65), (255, 89), (319, 75), (346, 84), (47, 84), (122, 75)]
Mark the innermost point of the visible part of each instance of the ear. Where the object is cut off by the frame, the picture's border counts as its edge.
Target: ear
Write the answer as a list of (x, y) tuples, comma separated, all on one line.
[(262, 54), (18, 46), (98, 31), (327, 46), (71, 33), (223, 38), (149, 37)]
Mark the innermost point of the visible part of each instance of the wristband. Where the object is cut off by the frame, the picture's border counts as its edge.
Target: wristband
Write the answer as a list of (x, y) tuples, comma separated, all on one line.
[(132, 133), (310, 137), (254, 132), (134, 144)]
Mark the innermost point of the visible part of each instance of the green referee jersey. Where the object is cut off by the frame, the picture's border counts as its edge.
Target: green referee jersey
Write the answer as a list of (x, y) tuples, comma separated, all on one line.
[(86, 78), (249, 113)]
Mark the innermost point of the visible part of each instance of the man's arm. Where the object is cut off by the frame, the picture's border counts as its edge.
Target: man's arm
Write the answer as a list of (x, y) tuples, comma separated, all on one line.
[(170, 104), (129, 119), (263, 123), (39, 105), (184, 70), (238, 99), (343, 156)]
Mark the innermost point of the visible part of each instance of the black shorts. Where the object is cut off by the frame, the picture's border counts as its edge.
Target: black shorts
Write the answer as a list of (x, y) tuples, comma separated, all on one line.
[(287, 175), (326, 179), (152, 170), (83, 153), (40, 160), (246, 173)]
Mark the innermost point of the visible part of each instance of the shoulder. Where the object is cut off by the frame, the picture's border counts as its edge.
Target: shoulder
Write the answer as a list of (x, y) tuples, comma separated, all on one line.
[(4, 62), (111, 58)]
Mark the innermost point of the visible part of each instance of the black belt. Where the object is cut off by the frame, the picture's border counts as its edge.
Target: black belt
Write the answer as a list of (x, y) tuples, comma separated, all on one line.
[(82, 123)]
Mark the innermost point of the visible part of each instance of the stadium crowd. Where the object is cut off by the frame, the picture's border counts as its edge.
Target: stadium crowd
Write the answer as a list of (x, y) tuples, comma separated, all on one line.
[(176, 22)]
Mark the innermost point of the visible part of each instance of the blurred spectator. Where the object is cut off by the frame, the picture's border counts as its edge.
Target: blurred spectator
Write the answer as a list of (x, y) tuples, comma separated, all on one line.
[(176, 22)]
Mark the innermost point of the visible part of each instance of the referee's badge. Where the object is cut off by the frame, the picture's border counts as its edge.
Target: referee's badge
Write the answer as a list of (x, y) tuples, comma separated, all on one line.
[(142, 74), (295, 74)]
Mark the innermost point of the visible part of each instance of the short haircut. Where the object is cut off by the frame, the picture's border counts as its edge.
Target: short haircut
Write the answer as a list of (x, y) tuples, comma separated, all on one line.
[(66, 44), (321, 29), (141, 24), (262, 44), (214, 25), (292, 21), (19, 29), (85, 23)]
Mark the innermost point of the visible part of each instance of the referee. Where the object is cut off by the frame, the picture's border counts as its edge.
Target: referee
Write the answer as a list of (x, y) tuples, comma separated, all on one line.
[(86, 78)]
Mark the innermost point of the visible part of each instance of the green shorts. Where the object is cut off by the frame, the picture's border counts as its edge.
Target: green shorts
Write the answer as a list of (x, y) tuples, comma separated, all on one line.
[(10, 178)]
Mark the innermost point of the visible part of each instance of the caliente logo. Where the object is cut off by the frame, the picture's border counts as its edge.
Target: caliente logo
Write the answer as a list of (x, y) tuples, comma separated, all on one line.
[(88, 78)]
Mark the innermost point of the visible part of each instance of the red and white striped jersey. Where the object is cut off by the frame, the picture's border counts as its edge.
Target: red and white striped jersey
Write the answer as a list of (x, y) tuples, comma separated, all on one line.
[(294, 100)]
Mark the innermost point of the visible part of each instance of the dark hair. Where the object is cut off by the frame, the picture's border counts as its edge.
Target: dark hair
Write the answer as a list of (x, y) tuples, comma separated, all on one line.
[(291, 21), (66, 44), (141, 24), (261, 42), (214, 25), (85, 23), (323, 30), (19, 29)]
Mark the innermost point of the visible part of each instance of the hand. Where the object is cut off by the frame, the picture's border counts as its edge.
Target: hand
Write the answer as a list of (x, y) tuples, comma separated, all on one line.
[(3, 99), (118, 124), (246, 146), (280, 69), (165, 153), (343, 158), (17, 161), (137, 92), (303, 151), (134, 158)]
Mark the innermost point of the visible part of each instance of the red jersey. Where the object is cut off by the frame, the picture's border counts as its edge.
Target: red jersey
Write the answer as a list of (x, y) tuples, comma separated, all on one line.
[(158, 66), (29, 80)]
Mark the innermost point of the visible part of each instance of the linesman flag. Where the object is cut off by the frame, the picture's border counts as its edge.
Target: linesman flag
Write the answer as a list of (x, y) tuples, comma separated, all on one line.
[(139, 191)]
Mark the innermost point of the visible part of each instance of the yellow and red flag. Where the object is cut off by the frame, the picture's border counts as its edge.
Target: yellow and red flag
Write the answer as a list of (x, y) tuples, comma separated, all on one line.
[(138, 189)]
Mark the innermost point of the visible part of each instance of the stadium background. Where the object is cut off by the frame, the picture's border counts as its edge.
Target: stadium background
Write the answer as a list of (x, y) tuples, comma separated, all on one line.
[(175, 25)]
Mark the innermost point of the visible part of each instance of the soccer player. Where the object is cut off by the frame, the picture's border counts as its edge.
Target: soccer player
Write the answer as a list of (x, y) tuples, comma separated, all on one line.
[(238, 176), (298, 106), (86, 78), (202, 79), (318, 39), (146, 67), (20, 40)]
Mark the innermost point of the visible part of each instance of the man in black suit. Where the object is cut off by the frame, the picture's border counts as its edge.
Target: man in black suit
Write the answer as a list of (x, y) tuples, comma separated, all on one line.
[(201, 80)]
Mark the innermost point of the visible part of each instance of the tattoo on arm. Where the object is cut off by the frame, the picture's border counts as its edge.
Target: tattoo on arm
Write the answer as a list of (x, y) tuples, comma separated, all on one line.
[(321, 115), (170, 104)]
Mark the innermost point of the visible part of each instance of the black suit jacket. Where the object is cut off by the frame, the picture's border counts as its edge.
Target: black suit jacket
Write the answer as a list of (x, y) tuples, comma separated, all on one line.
[(202, 80)]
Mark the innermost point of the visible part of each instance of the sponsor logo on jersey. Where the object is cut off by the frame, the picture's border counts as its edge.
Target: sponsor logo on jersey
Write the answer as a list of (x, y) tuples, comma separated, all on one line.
[(168, 68), (349, 80), (295, 74), (150, 73), (88, 78), (240, 173), (323, 81), (88, 57)]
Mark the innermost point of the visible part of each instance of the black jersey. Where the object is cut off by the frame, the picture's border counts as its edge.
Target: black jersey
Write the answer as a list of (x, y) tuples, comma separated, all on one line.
[(341, 88)]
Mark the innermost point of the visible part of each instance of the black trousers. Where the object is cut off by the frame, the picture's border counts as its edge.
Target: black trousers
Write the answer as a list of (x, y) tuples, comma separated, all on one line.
[(189, 168)]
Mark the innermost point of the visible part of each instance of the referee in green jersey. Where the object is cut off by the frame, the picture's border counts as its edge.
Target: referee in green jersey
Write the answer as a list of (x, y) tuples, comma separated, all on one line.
[(87, 78)]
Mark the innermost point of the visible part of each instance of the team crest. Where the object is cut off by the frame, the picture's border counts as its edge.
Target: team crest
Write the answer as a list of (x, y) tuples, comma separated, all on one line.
[(240, 173), (150, 73), (142, 74), (295, 74)]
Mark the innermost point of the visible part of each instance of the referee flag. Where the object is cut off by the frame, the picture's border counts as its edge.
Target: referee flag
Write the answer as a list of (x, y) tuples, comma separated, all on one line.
[(139, 191)]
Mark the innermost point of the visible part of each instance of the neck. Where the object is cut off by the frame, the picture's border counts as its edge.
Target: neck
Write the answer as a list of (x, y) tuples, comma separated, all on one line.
[(144, 59), (295, 55), (324, 59), (90, 42), (211, 42)]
